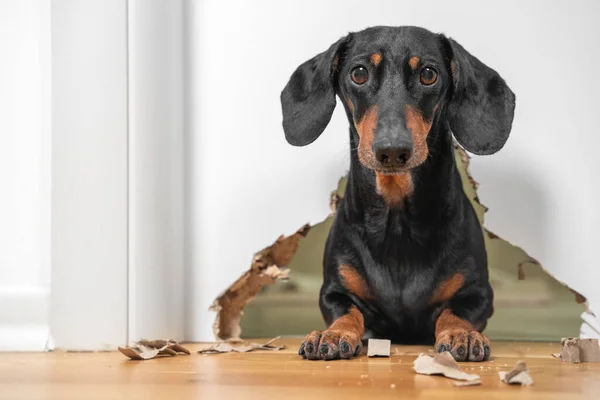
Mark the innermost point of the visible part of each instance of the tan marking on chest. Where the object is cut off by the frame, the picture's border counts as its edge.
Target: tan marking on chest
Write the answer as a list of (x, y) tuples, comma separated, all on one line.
[(354, 282), (394, 188), (447, 289)]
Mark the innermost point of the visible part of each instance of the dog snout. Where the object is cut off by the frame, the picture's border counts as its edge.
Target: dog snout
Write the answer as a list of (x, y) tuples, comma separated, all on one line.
[(393, 155)]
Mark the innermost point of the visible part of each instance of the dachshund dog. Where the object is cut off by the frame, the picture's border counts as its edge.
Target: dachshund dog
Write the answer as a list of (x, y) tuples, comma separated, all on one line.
[(405, 258)]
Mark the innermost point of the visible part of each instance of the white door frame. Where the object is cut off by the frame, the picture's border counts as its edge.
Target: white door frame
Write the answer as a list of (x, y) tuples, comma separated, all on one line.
[(117, 172), (156, 168), (89, 281)]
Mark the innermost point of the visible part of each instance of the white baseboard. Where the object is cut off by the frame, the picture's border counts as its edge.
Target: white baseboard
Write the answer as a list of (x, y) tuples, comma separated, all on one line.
[(24, 319), (32, 338)]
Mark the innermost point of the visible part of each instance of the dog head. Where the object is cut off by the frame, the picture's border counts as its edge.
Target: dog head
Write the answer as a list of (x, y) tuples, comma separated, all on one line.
[(395, 83)]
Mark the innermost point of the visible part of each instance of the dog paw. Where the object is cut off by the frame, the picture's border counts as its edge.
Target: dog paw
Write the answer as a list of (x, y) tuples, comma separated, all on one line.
[(464, 345), (330, 345)]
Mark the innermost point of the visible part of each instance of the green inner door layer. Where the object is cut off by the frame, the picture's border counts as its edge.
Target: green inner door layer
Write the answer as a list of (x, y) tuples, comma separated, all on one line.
[(534, 308)]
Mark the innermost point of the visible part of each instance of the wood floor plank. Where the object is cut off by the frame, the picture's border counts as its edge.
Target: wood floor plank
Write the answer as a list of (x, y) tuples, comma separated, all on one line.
[(284, 375)]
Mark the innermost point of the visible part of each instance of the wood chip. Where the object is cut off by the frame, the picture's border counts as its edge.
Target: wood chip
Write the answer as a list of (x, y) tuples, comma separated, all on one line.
[(379, 348), (225, 347), (442, 364), (519, 375)]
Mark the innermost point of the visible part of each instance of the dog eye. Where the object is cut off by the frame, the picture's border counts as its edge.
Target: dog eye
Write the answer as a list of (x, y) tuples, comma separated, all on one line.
[(359, 75), (428, 76)]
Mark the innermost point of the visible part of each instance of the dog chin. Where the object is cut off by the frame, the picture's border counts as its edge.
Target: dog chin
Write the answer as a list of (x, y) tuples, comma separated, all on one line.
[(391, 172), (385, 171)]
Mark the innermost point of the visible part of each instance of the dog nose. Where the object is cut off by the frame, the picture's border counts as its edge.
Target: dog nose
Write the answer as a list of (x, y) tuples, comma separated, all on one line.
[(393, 156)]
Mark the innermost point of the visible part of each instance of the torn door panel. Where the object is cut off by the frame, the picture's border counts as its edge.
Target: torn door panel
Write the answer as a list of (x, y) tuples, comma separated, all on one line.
[(530, 303)]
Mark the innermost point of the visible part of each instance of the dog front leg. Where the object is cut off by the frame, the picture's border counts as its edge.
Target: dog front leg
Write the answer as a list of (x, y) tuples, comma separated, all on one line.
[(458, 328), (343, 337)]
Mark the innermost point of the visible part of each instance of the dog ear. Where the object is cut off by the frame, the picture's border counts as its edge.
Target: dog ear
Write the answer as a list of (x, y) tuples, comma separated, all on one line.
[(308, 99), (482, 106)]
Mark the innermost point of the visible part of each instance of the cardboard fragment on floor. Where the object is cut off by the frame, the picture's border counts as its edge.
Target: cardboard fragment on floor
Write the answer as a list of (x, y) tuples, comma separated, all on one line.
[(148, 349), (519, 375), (267, 266), (589, 350), (578, 350), (467, 383), (378, 348), (228, 347), (442, 364), (570, 350)]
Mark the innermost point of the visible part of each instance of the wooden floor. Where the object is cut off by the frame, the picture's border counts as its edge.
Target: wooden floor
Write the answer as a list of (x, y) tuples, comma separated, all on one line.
[(284, 375)]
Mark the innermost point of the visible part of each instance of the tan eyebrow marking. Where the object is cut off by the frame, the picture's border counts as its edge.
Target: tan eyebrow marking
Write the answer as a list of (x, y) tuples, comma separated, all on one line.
[(376, 59), (414, 62)]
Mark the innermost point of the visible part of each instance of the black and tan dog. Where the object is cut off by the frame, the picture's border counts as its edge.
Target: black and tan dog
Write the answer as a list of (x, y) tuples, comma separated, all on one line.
[(405, 258)]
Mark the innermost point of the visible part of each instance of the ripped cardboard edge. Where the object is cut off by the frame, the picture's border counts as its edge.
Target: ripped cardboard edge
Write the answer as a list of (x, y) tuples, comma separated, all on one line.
[(334, 201), (268, 265), (227, 347), (442, 364), (148, 349), (466, 159)]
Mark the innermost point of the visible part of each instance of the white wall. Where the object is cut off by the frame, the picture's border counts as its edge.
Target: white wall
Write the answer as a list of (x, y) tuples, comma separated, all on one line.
[(246, 181), (24, 174)]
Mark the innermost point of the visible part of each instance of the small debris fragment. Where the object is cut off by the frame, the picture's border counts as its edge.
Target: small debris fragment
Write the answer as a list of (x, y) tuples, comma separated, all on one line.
[(577, 350), (570, 350), (148, 349), (379, 348), (224, 347), (519, 375), (467, 383), (393, 386), (441, 364)]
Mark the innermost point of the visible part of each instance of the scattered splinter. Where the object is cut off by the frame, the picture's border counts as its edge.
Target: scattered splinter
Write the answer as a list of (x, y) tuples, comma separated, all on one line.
[(379, 348)]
